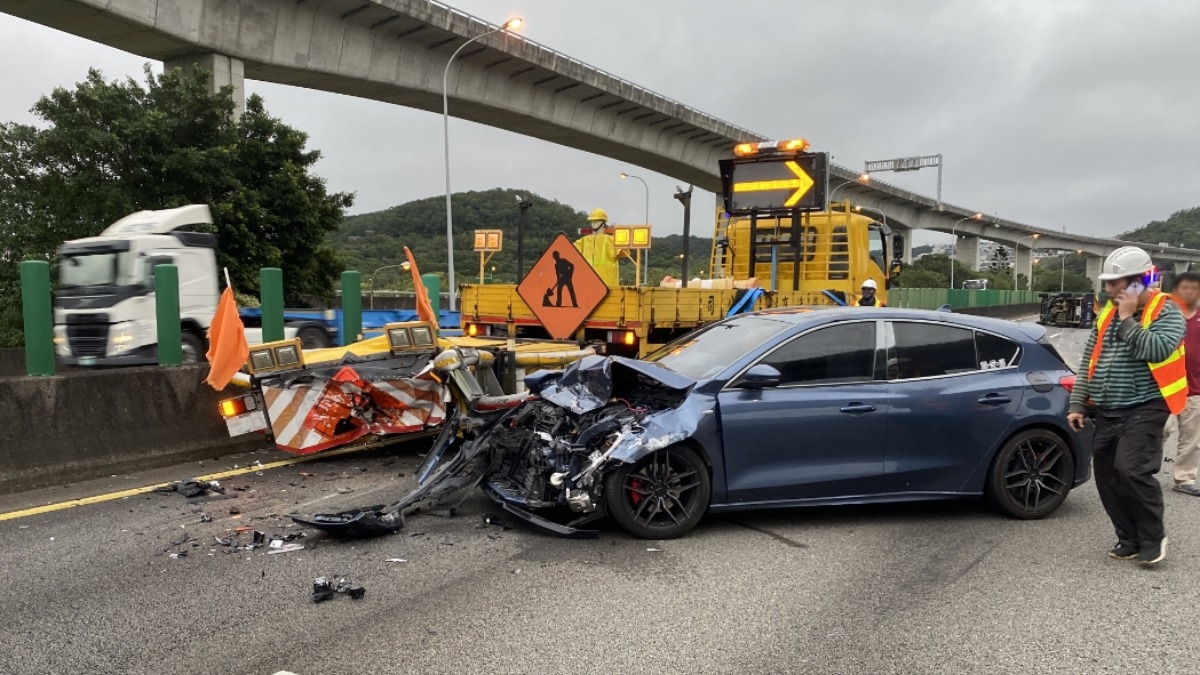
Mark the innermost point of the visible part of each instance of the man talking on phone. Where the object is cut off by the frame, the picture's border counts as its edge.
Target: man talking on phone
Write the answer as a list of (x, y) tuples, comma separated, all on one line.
[(1133, 375)]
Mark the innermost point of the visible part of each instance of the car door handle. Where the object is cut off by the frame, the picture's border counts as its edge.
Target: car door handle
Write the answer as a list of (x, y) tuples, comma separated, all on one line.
[(858, 408), (995, 399)]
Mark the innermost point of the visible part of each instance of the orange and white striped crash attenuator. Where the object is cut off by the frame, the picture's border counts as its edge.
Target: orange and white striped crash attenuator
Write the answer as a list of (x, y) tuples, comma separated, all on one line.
[(323, 413)]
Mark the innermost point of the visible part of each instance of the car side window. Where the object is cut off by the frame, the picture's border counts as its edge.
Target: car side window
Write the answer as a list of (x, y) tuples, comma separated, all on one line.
[(996, 352), (931, 350), (835, 354)]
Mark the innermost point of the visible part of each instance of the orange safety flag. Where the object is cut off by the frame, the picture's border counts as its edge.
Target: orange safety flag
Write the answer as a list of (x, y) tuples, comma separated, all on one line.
[(424, 308), (227, 348)]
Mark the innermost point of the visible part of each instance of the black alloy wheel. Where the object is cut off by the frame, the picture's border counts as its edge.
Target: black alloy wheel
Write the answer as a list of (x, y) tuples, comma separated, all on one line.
[(662, 496), (1032, 474)]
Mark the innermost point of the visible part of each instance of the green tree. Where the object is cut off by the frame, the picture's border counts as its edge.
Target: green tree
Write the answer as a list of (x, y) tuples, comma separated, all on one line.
[(106, 149), (1049, 275)]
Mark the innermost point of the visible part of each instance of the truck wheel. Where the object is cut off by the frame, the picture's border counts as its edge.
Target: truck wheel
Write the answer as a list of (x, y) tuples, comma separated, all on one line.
[(193, 348), (313, 338)]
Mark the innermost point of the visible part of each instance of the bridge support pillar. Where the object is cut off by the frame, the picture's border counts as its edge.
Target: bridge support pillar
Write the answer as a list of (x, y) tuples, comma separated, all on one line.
[(906, 250), (1094, 263), (223, 71), (966, 250), (1021, 262), (1180, 267)]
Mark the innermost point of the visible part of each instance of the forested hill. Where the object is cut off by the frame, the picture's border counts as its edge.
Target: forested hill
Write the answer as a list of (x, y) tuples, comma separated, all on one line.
[(1181, 229), (371, 240)]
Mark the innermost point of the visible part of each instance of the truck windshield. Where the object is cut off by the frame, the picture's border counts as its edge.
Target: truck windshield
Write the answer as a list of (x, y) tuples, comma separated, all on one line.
[(707, 352), (99, 268)]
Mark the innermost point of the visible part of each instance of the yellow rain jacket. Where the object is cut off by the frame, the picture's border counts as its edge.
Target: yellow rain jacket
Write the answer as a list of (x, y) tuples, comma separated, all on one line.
[(600, 250)]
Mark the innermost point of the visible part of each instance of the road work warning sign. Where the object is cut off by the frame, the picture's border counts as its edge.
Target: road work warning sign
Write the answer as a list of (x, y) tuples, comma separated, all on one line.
[(562, 289)]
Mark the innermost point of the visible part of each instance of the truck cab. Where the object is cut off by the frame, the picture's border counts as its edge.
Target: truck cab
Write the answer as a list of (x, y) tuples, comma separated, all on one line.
[(104, 312)]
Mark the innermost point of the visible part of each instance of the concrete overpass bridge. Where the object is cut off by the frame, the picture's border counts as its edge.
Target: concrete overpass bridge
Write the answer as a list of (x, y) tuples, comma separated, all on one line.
[(395, 51)]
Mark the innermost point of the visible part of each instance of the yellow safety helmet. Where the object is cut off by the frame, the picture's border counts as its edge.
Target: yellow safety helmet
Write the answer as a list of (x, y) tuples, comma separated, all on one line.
[(598, 215)]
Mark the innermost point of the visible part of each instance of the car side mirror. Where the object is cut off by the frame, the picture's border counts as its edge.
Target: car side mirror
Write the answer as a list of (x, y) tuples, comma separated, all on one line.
[(761, 376)]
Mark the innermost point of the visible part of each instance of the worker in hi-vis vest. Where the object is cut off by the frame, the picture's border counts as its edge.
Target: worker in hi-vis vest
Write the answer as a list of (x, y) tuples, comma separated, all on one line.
[(1133, 376), (599, 248)]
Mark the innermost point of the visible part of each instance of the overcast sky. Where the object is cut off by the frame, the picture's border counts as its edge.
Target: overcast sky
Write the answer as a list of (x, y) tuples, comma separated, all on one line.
[(1075, 114)]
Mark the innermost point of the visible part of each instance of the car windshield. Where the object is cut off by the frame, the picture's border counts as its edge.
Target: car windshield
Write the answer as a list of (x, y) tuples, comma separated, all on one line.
[(708, 351), (101, 268)]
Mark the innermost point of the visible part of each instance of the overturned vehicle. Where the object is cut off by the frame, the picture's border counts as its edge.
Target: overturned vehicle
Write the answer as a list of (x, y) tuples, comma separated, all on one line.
[(605, 436)]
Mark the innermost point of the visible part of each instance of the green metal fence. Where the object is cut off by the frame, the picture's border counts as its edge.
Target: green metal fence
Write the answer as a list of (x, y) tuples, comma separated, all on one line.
[(932, 298)]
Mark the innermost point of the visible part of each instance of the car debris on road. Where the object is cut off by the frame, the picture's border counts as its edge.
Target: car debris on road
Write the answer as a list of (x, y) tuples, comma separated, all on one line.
[(324, 589)]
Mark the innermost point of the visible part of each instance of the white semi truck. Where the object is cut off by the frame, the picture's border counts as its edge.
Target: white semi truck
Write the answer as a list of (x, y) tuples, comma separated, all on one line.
[(104, 313)]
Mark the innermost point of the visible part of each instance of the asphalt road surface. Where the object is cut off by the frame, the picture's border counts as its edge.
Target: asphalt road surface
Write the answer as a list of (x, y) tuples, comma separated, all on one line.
[(935, 588)]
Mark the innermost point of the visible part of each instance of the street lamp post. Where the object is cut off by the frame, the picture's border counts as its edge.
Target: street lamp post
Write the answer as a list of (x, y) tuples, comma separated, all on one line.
[(977, 216), (863, 179), (1062, 277), (371, 282), (512, 24), (523, 205), (646, 267), (1016, 250), (685, 198)]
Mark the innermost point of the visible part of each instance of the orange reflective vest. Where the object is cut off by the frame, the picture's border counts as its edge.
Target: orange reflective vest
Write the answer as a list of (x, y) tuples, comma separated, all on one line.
[(1170, 374)]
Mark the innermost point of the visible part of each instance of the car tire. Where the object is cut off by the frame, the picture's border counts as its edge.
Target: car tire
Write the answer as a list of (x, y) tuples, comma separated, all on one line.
[(1031, 474), (313, 338), (662, 496), (193, 348)]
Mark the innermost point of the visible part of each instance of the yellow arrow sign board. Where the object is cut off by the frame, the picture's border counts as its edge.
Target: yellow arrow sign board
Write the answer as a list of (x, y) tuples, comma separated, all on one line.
[(775, 184), (798, 185)]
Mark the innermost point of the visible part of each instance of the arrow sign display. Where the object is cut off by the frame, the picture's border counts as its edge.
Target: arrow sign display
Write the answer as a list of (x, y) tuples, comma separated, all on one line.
[(775, 184), (801, 183)]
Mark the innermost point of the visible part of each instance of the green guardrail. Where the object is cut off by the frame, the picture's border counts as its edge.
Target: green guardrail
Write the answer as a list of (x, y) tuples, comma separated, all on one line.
[(932, 298)]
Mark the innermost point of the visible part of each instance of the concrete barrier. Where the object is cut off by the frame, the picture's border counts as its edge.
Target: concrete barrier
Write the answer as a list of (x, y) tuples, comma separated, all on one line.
[(92, 424)]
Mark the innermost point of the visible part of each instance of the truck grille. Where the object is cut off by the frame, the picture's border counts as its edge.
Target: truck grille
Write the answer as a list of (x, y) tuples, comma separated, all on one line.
[(87, 334)]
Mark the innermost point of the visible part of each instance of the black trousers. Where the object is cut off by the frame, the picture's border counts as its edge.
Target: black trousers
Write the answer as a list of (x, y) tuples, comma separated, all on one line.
[(1127, 452)]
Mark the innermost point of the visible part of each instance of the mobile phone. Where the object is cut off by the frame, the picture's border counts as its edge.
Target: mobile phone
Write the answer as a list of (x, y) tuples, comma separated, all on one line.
[(1135, 287)]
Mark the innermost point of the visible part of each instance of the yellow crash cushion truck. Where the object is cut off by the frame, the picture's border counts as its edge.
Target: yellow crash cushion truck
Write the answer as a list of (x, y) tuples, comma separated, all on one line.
[(822, 260)]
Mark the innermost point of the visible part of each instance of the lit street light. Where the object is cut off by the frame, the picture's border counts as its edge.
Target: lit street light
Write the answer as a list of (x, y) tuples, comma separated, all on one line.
[(977, 216), (371, 282), (1062, 277), (863, 179), (646, 268), (512, 24)]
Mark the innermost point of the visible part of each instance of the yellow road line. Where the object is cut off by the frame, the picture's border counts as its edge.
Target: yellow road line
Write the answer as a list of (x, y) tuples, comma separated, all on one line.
[(220, 475)]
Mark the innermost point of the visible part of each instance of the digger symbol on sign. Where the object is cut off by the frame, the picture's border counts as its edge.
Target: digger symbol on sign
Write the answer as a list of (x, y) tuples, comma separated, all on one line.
[(564, 272), (562, 289)]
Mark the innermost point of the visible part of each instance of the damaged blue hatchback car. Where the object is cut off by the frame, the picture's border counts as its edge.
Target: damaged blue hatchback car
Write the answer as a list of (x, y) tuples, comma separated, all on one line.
[(777, 409)]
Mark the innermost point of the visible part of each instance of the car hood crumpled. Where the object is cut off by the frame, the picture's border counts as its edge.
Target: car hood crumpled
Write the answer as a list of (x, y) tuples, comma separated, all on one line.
[(589, 384), (593, 382)]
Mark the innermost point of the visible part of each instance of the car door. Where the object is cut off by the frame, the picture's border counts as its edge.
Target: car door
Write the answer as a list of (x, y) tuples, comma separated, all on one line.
[(820, 432), (954, 394)]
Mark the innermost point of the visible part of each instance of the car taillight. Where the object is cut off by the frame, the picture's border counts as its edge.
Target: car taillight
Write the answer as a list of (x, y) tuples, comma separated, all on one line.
[(1067, 382)]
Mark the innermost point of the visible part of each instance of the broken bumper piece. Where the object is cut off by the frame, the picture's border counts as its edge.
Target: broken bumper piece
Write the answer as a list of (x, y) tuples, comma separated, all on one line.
[(571, 531), (371, 521)]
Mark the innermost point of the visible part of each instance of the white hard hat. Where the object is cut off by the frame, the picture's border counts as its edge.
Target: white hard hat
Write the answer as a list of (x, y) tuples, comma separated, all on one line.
[(1127, 261), (869, 283)]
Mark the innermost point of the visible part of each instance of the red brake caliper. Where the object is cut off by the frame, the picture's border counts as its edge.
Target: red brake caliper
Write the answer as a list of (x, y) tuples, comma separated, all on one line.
[(634, 496)]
